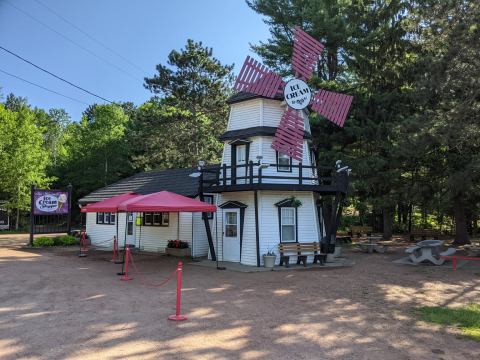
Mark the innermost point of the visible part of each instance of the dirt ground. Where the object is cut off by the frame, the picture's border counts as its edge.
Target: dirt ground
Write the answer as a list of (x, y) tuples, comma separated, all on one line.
[(55, 305)]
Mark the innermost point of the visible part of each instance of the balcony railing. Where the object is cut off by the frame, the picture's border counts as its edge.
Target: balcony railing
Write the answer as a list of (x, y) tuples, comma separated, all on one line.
[(261, 173)]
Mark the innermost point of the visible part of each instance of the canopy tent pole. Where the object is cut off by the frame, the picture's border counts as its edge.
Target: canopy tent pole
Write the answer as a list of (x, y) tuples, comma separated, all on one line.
[(178, 225)]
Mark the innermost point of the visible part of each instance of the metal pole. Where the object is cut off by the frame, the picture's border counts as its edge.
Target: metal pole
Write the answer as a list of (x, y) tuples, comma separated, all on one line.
[(69, 216), (32, 213)]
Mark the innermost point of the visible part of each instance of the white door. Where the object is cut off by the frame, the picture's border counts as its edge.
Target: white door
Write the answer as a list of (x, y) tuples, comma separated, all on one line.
[(231, 235), (130, 228)]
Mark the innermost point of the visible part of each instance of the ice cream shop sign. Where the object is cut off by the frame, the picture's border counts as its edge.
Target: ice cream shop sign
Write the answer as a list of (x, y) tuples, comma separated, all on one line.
[(48, 202), (51, 211)]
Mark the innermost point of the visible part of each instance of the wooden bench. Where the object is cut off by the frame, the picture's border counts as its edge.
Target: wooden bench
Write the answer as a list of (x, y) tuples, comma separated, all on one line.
[(454, 259), (360, 230), (301, 251), (425, 233)]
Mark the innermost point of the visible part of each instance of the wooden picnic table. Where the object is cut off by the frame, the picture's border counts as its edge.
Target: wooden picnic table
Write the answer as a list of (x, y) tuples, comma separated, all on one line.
[(374, 245)]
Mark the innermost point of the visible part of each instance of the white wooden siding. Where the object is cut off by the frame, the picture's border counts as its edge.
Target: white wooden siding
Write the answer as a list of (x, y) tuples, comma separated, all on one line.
[(269, 229), (245, 114), (249, 247), (272, 112), (200, 239), (100, 234)]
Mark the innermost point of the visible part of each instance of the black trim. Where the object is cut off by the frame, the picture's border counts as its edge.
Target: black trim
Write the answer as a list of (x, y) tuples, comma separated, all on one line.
[(278, 164), (103, 217), (210, 214), (287, 203), (257, 234), (239, 142), (237, 205), (244, 96), (321, 189), (152, 213), (244, 134)]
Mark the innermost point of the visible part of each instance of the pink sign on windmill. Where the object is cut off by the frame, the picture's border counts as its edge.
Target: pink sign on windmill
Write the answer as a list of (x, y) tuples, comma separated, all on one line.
[(258, 79)]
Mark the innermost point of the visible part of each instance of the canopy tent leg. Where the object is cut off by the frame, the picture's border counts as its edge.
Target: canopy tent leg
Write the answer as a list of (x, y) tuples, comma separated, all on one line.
[(209, 236)]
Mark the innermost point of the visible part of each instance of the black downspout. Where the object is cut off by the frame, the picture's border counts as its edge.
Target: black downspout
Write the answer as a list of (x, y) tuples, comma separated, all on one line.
[(205, 220), (257, 235)]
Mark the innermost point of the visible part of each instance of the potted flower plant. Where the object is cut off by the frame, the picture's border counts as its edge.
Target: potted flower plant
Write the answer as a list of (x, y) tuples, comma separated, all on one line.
[(177, 248), (269, 259)]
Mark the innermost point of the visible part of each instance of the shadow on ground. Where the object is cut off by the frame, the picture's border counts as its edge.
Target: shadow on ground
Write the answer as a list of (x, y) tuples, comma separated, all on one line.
[(55, 305)]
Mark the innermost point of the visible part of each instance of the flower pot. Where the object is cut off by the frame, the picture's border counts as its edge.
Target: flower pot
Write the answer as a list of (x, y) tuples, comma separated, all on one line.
[(269, 261), (177, 252)]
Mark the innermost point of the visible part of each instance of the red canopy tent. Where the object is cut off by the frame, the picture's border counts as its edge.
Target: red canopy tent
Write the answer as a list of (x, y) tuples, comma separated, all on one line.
[(110, 204), (167, 202)]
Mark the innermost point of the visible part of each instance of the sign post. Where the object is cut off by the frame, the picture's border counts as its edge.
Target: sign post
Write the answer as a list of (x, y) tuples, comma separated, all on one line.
[(32, 213)]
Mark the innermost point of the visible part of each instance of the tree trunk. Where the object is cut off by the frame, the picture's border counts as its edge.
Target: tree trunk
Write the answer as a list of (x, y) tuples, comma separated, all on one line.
[(387, 222), (17, 219), (461, 233)]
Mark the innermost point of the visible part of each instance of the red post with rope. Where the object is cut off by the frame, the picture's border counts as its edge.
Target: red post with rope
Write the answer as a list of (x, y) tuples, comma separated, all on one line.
[(125, 277), (83, 244), (177, 316), (114, 258)]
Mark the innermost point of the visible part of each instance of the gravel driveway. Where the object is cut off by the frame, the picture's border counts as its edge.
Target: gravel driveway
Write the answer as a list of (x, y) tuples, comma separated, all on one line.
[(54, 305)]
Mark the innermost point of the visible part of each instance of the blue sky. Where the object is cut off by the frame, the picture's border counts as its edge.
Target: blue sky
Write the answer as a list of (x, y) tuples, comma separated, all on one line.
[(143, 31)]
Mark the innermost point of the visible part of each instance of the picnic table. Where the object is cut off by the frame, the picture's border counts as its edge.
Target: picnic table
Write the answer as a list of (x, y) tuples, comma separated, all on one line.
[(373, 244), (429, 251)]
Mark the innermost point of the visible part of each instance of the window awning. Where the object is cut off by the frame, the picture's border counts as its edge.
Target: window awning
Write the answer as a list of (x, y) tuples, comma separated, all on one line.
[(156, 202), (166, 201), (110, 204)]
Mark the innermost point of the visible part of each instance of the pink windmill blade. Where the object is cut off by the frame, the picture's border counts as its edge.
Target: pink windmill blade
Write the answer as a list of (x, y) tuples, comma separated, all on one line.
[(331, 105), (306, 52), (257, 79)]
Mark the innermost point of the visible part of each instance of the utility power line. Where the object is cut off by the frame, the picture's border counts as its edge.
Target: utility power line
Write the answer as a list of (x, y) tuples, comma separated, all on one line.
[(72, 41), (91, 37), (52, 74), (42, 87)]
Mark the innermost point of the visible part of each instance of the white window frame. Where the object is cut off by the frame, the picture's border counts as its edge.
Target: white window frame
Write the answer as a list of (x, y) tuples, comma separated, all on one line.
[(294, 224), (241, 150)]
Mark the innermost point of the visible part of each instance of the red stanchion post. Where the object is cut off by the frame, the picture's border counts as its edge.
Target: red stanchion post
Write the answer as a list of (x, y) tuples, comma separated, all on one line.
[(83, 240), (114, 257), (125, 277), (177, 316)]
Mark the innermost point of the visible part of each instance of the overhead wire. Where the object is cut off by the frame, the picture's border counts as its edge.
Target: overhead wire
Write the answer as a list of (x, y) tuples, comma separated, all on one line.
[(42, 87), (72, 41), (91, 37), (52, 74)]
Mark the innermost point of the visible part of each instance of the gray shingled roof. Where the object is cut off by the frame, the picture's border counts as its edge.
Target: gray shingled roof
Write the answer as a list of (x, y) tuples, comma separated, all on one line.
[(174, 180)]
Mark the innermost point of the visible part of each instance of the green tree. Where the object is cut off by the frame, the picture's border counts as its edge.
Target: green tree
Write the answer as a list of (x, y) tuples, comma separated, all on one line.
[(449, 85), (23, 157), (368, 54), (193, 88)]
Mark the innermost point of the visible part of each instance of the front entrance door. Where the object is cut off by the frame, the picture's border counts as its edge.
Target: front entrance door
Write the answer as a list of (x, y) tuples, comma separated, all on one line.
[(130, 228), (231, 235)]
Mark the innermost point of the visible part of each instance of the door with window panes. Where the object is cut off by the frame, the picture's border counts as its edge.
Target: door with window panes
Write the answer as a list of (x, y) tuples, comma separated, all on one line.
[(231, 235)]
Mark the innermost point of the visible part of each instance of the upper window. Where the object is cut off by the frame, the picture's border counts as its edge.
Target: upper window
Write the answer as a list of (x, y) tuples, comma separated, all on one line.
[(287, 223), (106, 218), (241, 154), (209, 200), (156, 219), (284, 162)]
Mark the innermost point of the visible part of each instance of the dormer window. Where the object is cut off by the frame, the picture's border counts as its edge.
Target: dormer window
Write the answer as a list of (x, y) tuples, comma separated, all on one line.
[(284, 162)]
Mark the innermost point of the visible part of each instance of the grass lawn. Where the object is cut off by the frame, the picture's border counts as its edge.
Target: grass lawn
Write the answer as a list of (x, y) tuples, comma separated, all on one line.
[(466, 318)]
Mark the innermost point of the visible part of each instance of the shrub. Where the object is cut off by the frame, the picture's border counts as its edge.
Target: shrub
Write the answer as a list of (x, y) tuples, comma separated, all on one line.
[(65, 240), (43, 241), (177, 244)]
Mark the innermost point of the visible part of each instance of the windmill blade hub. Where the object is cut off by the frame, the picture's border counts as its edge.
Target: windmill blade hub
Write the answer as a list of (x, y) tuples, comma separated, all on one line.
[(297, 94)]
